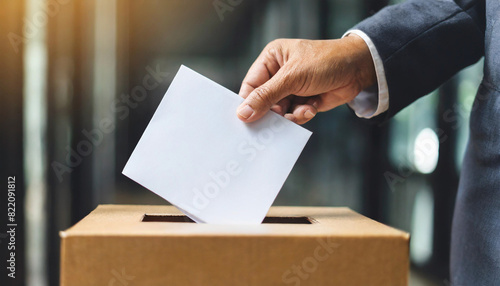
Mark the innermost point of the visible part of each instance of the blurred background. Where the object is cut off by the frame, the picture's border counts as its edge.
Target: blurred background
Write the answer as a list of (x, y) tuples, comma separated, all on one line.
[(71, 68)]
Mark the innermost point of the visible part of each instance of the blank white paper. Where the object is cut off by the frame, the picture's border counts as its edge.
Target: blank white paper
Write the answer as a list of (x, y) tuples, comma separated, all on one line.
[(196, 154)]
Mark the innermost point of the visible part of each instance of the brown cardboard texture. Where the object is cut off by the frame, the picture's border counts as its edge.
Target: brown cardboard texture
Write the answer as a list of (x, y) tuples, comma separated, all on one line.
[(156, 245)]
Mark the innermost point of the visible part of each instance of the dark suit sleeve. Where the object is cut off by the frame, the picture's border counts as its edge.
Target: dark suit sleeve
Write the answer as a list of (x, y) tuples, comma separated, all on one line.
[(423, 43)]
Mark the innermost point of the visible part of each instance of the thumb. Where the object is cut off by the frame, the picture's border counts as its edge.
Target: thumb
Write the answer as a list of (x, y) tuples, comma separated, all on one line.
[(260, 100)]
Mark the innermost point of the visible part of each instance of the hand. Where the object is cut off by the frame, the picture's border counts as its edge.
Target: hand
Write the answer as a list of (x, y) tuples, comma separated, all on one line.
[(299, 78)]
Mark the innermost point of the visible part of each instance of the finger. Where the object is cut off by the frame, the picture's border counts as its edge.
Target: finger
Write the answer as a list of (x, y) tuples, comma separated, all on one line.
[(290, 117), (278, 109), (314, 101), (264, 67), (326, 102), (303, 113), (332, 99), (260, 100), (283, 105)]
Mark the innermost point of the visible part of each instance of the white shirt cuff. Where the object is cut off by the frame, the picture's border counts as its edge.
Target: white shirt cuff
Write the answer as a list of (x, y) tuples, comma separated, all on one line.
[(367, 104)]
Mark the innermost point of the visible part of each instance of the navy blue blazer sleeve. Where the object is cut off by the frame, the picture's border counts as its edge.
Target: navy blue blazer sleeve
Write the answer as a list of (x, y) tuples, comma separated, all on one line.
[(423, 43)]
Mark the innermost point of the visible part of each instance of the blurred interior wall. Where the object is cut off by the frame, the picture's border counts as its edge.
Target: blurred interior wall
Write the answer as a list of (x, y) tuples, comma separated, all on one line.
[(11, 129)]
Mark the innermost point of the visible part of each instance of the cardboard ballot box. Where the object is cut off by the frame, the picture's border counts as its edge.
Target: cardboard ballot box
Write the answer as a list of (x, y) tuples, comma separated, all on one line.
[(158, 245)]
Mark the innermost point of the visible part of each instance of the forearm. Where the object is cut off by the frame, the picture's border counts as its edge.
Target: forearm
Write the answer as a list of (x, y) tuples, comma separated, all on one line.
[(423, 43)]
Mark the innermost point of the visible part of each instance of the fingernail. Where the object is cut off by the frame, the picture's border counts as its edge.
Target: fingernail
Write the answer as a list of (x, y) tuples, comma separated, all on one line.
[(276, 108), (246, 111), (290, 117), (308, 114)]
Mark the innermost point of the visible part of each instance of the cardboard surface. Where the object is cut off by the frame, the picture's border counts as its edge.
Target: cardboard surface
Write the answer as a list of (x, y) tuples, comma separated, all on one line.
[(114, 246)]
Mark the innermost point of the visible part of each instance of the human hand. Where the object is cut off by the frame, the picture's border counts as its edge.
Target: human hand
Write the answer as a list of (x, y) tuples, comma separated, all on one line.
[(299, 78)]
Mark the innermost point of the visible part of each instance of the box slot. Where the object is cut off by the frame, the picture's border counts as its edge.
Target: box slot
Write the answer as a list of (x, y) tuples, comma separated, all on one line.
[(183, 218)]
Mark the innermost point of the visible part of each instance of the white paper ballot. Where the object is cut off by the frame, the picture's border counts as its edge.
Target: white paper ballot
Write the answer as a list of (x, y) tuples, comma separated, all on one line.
[(199, 156)]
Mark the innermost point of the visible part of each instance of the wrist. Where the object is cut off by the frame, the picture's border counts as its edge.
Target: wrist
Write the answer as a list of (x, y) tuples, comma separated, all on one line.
[(361, 61)]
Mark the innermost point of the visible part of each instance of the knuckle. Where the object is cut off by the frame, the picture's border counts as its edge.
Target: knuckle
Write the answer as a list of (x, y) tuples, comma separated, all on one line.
[(275, 42), (275, 46), (302, 44), (262, 96)]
